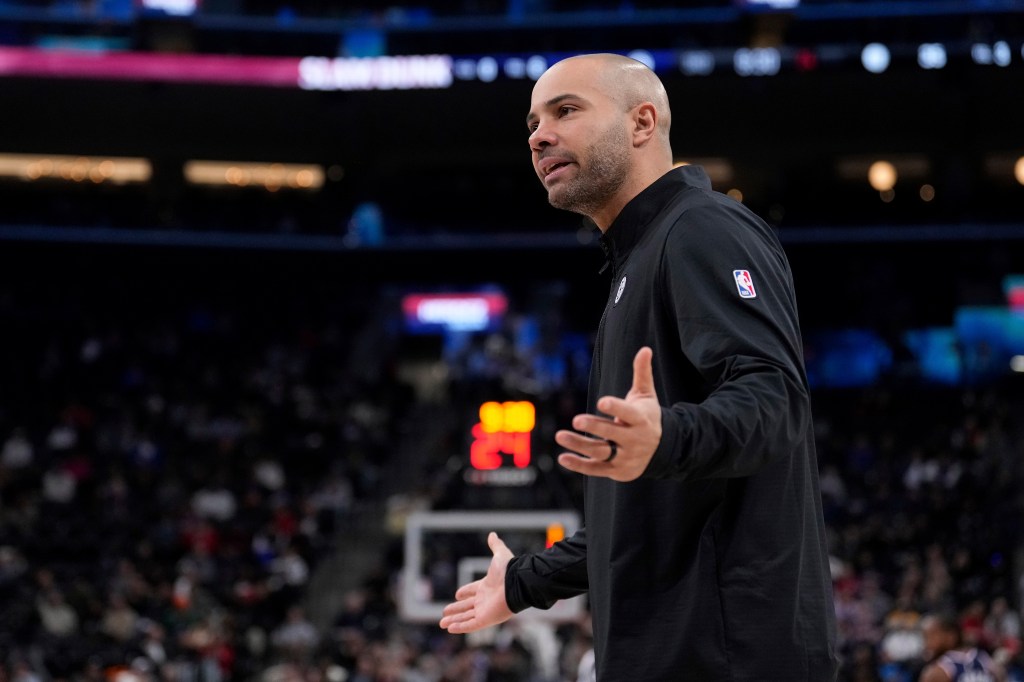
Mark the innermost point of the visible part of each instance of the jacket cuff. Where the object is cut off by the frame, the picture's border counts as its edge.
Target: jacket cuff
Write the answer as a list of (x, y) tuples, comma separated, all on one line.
[(514, 597), (665, 463)]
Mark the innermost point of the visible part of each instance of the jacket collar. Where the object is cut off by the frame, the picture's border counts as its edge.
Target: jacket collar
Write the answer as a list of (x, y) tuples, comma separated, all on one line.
[(636, 217)]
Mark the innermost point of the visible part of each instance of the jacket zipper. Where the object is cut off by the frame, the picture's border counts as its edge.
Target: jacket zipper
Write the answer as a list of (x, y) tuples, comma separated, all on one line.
[(595, 373)]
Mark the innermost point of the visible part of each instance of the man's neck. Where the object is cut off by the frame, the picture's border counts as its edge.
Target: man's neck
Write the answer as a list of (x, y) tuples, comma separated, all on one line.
[(606, 215)]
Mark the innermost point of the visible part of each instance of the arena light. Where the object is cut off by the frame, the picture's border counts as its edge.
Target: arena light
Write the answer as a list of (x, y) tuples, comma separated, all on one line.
[(696, 62), (1017, 363), (882, 176), (876, 170), (536, 65), (773, 4), (1013, 289), (998, 54), (97, 170), (270, 176), (757, 61), (875, 57), (177, 8), (1005, 168), (487, 69), (453, 312), (931, 56), (514, 67), (644, 57)]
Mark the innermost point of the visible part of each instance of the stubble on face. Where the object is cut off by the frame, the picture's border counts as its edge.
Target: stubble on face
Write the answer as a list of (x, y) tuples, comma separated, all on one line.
[(602, 170)]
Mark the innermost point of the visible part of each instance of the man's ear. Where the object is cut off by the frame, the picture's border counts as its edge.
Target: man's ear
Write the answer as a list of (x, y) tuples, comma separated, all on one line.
[(645, 123)]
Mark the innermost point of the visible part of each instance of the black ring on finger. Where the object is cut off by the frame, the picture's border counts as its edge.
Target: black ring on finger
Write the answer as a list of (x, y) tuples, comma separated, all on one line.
[(615, 450)]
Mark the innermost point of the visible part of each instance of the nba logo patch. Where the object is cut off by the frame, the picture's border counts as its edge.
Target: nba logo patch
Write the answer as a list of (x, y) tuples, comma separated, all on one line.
[(744, 284)]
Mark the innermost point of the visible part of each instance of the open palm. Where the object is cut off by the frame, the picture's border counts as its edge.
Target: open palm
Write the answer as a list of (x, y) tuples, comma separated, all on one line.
[(481, 603)]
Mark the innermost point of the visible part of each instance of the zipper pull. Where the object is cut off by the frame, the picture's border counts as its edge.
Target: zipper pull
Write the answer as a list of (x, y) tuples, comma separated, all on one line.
[(609, 254)]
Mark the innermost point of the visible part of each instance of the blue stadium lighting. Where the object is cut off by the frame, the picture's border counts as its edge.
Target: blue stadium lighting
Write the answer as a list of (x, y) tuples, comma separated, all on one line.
[(487, 69), (644, 57), (697, 62), (998, 54), (515, 67), (773, 4), (1001, 53), (875, 57), (177, 8), (464, 69), (931, 56), (536, 66), (758, 61)]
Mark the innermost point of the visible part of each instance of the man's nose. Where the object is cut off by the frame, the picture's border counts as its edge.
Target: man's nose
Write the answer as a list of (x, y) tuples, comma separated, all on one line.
[(541, 137)]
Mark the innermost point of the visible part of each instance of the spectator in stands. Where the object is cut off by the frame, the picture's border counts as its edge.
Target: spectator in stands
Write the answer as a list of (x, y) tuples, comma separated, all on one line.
[(295, 638), (56, 615), (119, 619), (1002, 627), (949, 659)]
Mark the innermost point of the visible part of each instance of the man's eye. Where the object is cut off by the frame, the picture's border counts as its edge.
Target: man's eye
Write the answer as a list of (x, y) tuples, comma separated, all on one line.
[(562, 111)]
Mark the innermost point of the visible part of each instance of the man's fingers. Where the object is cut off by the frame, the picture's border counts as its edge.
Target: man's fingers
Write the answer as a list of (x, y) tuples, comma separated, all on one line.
[(582, 465), (467, 591), (462, 627), (643, 372), (624, 412), (571, 440), (597, 448), (457, 607), (458, 618)]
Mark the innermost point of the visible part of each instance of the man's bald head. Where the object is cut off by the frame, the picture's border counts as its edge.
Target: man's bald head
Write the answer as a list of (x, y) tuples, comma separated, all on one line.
[(599, 133), (628, 81)]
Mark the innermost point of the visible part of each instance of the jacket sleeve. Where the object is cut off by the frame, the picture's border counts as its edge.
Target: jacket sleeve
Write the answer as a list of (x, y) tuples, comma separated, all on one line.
[(541, 579), (746, 349)]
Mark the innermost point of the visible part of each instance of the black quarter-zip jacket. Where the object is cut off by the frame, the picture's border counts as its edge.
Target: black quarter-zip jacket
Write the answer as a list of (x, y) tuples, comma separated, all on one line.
[(712, 566)]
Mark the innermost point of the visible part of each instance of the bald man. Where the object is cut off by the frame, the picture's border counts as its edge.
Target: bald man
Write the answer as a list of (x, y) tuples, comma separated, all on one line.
[(703, 551)]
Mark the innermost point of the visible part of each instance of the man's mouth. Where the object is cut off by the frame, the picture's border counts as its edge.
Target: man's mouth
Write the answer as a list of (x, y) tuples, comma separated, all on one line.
[(551, 171)]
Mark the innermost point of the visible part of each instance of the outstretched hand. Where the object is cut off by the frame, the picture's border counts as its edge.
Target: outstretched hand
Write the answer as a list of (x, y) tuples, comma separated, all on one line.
[(620, 447), (481, 604)]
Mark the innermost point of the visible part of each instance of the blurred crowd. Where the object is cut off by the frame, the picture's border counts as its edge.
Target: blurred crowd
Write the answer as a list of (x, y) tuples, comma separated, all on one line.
[(170, 479), (174, 471), (922, 496)]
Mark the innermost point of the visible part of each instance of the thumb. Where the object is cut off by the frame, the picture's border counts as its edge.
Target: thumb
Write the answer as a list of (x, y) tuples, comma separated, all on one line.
[(496, 544), (643, 372)]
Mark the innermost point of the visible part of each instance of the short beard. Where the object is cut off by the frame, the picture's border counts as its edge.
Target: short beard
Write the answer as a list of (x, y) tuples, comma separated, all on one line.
[(607, 167)]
